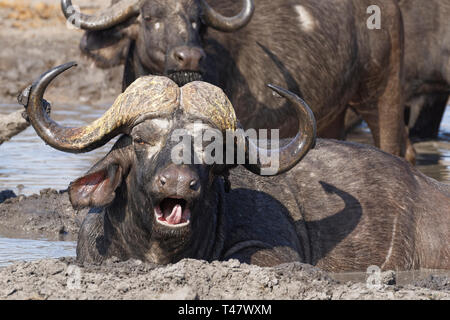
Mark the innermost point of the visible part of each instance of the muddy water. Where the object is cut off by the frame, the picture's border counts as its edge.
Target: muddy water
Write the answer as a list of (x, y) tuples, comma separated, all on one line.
[(12, 250), (402, 278), (27, 165)]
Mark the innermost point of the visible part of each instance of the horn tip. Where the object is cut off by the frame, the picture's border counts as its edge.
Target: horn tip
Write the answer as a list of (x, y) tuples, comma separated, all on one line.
[(66, 66), (72, 64), (277, 89)]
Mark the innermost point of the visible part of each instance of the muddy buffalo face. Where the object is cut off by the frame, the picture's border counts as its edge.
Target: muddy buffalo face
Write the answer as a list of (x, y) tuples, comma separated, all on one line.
[(172, 192), (166, 197), (169, 40), (159, 168), (159, 37)]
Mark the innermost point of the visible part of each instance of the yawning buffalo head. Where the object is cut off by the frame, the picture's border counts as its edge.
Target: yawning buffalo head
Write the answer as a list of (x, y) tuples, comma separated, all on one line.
[(142, 179), (158, 37)]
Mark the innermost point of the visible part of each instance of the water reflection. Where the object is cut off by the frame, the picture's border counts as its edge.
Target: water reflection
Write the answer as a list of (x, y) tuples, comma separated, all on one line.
[(12, 250), (433, 159), (28, 165)]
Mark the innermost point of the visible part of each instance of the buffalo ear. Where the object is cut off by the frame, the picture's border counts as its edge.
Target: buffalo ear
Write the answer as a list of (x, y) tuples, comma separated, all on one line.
[(96, 189), (109, 48)]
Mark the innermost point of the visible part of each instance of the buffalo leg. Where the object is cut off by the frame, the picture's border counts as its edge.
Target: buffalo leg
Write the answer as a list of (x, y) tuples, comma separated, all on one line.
[(430, 116), (385, 114), (383, 106), (389, 133)]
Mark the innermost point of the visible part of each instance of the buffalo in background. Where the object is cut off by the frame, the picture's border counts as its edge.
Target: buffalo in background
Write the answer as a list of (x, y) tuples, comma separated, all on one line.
[(427, 67), (322, 51), (427, 64)]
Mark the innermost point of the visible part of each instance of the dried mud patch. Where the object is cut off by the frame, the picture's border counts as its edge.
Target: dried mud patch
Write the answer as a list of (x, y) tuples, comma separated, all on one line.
[(38, 39), (49, 215), (186, 280)]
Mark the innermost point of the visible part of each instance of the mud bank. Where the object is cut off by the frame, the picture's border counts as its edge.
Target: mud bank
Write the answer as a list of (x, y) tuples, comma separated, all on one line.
[(11, 124), (188, 279), (49, 215)]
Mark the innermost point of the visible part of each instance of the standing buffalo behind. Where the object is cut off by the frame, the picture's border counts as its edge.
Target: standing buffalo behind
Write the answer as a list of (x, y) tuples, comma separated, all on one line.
[(427, 64), (340, 206), (322, 51)]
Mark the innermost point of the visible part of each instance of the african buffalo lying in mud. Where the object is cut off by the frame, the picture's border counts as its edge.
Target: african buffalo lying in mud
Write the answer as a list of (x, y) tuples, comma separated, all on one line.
[(321, 50), (345, 206), (427, 63)]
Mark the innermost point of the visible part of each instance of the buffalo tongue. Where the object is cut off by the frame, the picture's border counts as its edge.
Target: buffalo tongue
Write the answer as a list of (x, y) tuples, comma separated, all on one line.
[(174, 216)]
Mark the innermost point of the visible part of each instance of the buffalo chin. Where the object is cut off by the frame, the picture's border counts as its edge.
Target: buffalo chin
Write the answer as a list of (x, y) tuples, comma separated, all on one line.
[(182, 78)]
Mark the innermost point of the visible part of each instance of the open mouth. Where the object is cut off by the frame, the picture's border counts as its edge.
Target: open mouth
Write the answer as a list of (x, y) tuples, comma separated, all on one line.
[(173, 212), (183, 77)]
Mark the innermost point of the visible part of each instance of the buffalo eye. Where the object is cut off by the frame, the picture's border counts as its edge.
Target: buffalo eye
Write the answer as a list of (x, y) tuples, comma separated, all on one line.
[(147, 18), (139, 141), (144, 143), (152, 22)]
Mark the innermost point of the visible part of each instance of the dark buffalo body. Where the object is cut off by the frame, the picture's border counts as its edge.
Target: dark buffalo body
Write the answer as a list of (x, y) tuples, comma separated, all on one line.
[(321, 50), (344, 207)]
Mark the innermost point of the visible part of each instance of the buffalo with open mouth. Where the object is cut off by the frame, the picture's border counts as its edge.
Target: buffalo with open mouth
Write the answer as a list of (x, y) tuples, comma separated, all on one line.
[(340, 206), (147, 196)]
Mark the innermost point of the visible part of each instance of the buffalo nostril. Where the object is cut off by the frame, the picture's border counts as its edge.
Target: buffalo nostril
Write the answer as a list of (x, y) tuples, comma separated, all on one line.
[(187, 58), (180, 56)]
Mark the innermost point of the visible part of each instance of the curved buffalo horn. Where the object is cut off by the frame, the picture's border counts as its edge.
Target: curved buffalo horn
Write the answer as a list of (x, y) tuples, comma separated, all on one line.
[(65, 139), (291, 154), (227, 24), (134, 105), (117, 13)]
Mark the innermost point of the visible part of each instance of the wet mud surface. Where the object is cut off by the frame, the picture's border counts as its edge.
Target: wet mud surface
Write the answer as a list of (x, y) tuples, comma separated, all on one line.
[(47, 215), (189, 279)]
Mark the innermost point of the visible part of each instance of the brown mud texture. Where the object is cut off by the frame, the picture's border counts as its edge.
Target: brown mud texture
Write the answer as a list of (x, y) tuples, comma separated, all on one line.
[(10, 125), (47, 215), (34, 38), (190, 279)]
